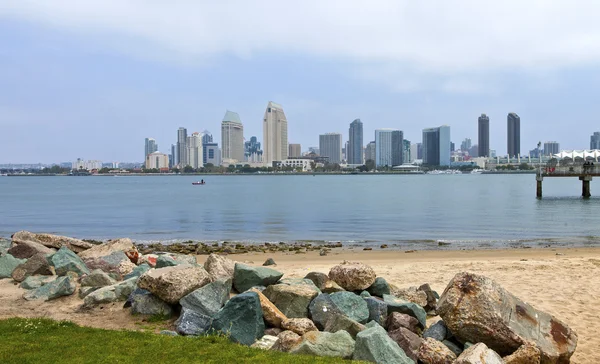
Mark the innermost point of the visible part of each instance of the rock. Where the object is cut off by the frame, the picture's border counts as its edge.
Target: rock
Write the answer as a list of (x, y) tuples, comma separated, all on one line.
[(323, 252), (219, 266), (352, 276), (97, 278), (138, 271), (351, 305), (171, 260), (430, 295), (319, 279), (149, 304), (397, 320), (437, 331), (61, 286), (331, 287), (168, 333), (8, 263), (268, 262), (27, 249), (299, 325), (117, 292), (265, 343), (192, 323), (64, 260), (273, 331), (456, 349), (477, 309), (271, 314), (125, 267), (85, 291), (33, 282), (409, 308), (321, 309), (407, 340), (125, 288), (287, 340), (208, 299), (245, 277), (340, 322), (299, 282), (51, 241), (374, 345), (411, 294), (479, 354), (241, 318), (97, 251), (293, 301), (379, 287), (528, 353), (170, 284), (37, 264), (5, 244), (109, 263), (339, 344), (434, 352), (365, 294), (378, 311), (370, 324), (149, 259)]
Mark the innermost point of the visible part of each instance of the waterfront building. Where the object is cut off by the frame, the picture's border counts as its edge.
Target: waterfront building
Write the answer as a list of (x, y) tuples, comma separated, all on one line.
[(294, 151), (194, 151), (551, 148), (181, 147), (295, 163), (354, 149), (388, 147), (465, 145), (150, 146), (252, 151), (275, 134), (436, 146), (172, 156), (232, 138), (474, 150), (406, 156), (86, 165), (513, 125), (370, 153), (211, 154), (483, 136), (157, 160), (595, 141), (451, 146), (330, 146)]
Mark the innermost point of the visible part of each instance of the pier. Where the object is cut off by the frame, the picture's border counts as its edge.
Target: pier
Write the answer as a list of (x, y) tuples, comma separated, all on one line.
[(584, 170)]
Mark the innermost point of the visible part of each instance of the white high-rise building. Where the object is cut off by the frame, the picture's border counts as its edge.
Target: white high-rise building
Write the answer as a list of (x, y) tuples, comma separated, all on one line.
[(275, 134), (330, 146), (157, 160), (182, 147), (194, 151), (86, 165), (150, 147), (232, 138), (388, 147)]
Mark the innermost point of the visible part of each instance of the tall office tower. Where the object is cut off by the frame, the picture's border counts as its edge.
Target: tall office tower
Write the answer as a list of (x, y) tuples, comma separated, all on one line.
[(451, 146), (211, 154), (595, 141), (314, 150), (206, 137), (330, 145), (275, 134), (252, 151), (294, 151), (388, 147), (414, 153), (551, 148), (436, 146), (194, 151), (172, 156), (150, 147), (354, 153), (370, 152), (406, 157), (483, 136), (232, 138), (182, 147), (465, 145), (513, 126)]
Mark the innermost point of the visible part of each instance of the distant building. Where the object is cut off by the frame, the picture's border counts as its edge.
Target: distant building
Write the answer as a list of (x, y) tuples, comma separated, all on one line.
[(452, 147), (436, 146), (294, 151), (535, 153), (87, 165), (513, 125), (232, 138), (370, 152), (388, 147), (483, 136), (252, 151), (211, 154), (295, 163), (406, 157), (172, 156), (465, 145), (314, 150), (414, 152), (595, 141), (551, 148), (157, 160), (474, 150), (194, 151), (354, 150), (181, 147), (207, 137), (150, 147), (275, 134), (330, 146)]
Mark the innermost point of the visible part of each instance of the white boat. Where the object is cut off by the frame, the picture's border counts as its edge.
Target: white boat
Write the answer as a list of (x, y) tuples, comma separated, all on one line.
[(476, 171)]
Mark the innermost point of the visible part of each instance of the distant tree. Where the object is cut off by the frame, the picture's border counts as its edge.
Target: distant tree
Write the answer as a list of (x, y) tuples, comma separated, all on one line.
[(524, 167), (188, 169), (104, 170), (370, 165), (362, 168), (313, 165), (231, 168), (175, 170)]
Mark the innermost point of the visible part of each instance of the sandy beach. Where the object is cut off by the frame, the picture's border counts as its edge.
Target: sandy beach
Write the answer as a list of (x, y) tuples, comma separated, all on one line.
[(563, 282)]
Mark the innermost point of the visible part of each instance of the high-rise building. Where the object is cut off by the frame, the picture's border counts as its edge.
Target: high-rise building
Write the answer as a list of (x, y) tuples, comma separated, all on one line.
[(452, 146), (172, 156), (354, 154), (595, 141), (330, 146), (194, 151), (474, 150), (157, 160), (436, 146), (414, 152), (207, 137), (314, 150), (150, 147), (370, 152), (551, 148), (465, 145), (294, 151), (252, 151), (388, 147), (211, 154), (483, 136), (275, 134), (181, 147), (232, 138), (406, 157), (513, 126)]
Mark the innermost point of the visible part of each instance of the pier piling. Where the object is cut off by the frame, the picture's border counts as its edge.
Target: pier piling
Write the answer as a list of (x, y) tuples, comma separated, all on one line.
[(539, 180), (585, 186)]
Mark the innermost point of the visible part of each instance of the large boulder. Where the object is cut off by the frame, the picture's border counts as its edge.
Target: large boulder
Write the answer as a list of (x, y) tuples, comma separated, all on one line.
[(219, 266), (36, 265), (353, 276), (351, 305), (5, 244), (193, 323), (321, 309), (51, 241), (339, 344), (288, 340), (378, 311), (173, 259), (379, 287), (119, 245), (241, 318), (138, 271), (33, 282), (65, 260), (148, 304), (477, 309), (62, 286), (170, 284), (341, 322), (110, 263), (478, 354), (374, 345), (293, 301), (272, 315), (322, 281), (528, 353), (435, 352), (8, 263), (117, 292), (299, 325), (208, 299), (411, 294), (397, 320), (97, 278), (437, 331), (246, 277), (406, 307), (431, 296), (27, 249), (408, 341)]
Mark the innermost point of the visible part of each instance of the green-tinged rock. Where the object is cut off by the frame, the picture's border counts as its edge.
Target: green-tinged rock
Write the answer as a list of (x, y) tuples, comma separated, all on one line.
[(192, 323), (170, 284), (5, 244), (370, 324), (117, 292), (168, 333), (8, 263), (374, 345), (246, 277), (61, 286), (123, 289), (365, 294), (378, 311), (351, 305), (110, 263), (138, 271), (241, 318), (65, 261), (293, 301), (406, 307), (149, 304), (339, 344), (209, 299), (341, 322), (379, 287), (97, 278), (33, 282), (321, 309), (299, 281), (166, 261), (85, 291)]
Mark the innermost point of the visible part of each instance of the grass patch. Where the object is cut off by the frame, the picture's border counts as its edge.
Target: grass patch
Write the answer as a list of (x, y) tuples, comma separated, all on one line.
[(47, 341)]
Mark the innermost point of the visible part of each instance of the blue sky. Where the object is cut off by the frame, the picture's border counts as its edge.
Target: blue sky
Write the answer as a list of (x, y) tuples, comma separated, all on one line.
[(92, 79)]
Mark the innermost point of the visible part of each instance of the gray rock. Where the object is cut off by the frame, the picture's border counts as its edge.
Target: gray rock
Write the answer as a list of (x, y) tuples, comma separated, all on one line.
[(411, 294), (273, 331), (339, 344), (33, 282), (209, 299), (437, 331), (431, 297), (168, 333), (102, 250), (321, 309), (123, 289), (109, 263), (36, 265), (406, 307), (8, 263), (165, 260), (51, 241), (5, 244), (453, 347), (149, 304), (379, 287), (378, 311), (408, 341), (374, 345), (351, 305), (397, 320), (434, 352), (170, 284), (241, 318), (299, 325), (246, 277), (319, 279), (365, 294), (28, 249), (268, 262), (219, 266), (341, 322), (352, 276), (117, 292), (64, 260), (287, 340), (61, 286), (480, 353), (299, 282), (370, 324), (97, 278), (265, 343), (138, 271), (85, 291), (293, 301), (192, 323)]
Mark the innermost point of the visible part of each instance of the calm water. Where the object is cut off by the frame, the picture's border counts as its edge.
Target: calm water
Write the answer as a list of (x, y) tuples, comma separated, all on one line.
[(411, 211)]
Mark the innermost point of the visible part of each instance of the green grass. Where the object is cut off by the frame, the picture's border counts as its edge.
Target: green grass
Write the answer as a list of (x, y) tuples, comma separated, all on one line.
[(47, 341)]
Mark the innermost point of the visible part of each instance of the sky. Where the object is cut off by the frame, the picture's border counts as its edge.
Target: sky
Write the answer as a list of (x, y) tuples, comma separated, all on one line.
[(91, 79)]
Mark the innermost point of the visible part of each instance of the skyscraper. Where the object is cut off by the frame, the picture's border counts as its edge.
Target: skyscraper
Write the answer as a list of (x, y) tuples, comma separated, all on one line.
[(465, 145), (388, 147), (194, 151), (354, 153), (436, 146), (330, 145), (211, 154), (252, 151), (595, 141), (483, 136), (275, 134), (172, 156), (370, 152), (182, 147), (406, 157), (551, 148), (294, 151), (232, 138), (207, 137), (513, 126), (150, 147)]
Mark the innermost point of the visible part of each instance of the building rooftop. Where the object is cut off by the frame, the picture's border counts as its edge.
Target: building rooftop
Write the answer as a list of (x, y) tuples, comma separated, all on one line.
[(275, 105), (232, 116)]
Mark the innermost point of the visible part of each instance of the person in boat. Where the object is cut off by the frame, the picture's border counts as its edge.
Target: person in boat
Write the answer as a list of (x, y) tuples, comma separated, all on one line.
[(202, 182)]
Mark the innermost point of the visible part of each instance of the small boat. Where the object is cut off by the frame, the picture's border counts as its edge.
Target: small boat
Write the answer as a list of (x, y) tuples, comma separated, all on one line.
[(198, 183)]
